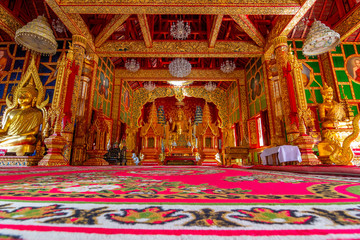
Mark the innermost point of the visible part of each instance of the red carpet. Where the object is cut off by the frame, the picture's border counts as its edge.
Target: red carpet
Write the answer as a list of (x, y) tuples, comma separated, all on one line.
[(115, 202)]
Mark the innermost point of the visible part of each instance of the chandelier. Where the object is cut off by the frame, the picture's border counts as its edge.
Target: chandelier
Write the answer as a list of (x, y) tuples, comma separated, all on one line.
[(180, 67), (37, 37), (227, 66), (210, 86), (180, 30), (320, 39), (58, 26), (149, 86), (132, 65)]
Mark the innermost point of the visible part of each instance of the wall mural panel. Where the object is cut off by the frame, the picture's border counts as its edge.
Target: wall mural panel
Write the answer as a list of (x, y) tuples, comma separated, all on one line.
[(126, 99), (233, 103), (346, 64), (256, 86), (104, 86)]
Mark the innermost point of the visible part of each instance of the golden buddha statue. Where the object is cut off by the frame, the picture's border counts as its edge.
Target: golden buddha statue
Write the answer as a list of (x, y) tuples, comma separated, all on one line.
[(180, 124), (178, 132), (21, 124), (332, 114)]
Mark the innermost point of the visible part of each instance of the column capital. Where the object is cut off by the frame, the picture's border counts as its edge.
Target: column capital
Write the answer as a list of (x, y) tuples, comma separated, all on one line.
[(79, 40), (280, 41)]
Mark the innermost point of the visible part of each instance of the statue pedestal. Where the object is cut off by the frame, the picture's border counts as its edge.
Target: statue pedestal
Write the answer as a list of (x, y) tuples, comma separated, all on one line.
[(55, 143), (19, 161), (208, 157), (333, 138), (96, 158), (306, 144), (151, 157)]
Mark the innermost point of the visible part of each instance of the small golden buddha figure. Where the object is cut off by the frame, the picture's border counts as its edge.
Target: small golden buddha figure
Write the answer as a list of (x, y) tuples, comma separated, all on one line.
[(180, 131), (332, 114), (180, 124), (22, 123)]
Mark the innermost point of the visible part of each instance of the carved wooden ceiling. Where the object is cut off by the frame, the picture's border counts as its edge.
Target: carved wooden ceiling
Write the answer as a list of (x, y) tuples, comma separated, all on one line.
[(224, 29)]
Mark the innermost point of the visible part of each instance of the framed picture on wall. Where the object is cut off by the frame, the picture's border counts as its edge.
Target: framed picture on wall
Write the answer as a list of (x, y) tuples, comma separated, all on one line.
[(353, 67)]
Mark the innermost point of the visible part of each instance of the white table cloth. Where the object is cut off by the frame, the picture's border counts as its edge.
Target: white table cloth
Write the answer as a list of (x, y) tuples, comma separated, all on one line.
[(286, 153)]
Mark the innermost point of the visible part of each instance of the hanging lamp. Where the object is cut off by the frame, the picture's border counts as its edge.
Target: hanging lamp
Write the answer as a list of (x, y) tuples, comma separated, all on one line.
[(37, 37), (321, 39)]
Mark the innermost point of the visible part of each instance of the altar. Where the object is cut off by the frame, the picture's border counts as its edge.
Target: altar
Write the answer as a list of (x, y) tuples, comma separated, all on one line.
[(280, 155)]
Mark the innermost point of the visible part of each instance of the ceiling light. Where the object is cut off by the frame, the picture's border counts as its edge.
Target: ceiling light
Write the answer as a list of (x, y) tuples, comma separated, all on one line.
[(227, 66), (132, 65), (180, 67), (321, 39), (210, 86), (180, 30), (149, 86)]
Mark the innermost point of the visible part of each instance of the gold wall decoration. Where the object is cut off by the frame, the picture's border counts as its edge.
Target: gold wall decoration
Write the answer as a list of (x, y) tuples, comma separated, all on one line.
[(179, 49), (142, 96)]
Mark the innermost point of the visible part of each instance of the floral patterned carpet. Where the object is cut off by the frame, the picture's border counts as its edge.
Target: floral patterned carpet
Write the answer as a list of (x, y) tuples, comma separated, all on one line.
[(115, 202)]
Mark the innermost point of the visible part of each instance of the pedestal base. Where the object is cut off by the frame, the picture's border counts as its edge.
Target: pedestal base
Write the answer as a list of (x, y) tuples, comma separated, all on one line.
[(306, 144), (208, 157), (151, 157), (96, 158), (55, 143), (19, 161)]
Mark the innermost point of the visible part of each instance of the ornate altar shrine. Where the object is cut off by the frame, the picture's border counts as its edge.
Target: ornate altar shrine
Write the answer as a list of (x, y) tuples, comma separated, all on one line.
[(207, 134), (152, 134)]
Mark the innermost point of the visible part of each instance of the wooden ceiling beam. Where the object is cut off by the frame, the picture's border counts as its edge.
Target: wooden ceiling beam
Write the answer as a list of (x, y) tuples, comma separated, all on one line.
[(171, 49), (110, 28), (8, 22), (215, 30), (284, 24), (226, 7), (245, 23), (145, 30), (73, 22), (349, 23)]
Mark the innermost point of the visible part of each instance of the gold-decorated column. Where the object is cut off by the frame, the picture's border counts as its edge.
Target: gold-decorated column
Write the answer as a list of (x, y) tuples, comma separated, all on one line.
[(79, 46), (269, 89), (281, 54)]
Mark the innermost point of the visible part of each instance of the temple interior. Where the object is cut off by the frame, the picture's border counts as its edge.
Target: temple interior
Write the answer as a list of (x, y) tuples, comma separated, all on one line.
[(210, 83)]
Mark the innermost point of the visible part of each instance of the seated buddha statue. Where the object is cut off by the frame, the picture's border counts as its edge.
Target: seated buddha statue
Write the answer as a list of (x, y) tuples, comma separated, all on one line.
[(180, 127), (21, 124), (332, 114)]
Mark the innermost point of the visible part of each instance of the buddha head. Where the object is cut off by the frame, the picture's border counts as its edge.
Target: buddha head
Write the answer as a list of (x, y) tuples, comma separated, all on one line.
[(27, 95), (180, 114)]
